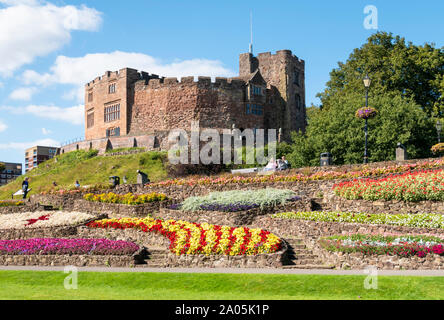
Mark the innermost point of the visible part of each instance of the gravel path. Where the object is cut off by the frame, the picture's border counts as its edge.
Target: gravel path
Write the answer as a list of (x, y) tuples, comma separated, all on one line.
[(426, 273)]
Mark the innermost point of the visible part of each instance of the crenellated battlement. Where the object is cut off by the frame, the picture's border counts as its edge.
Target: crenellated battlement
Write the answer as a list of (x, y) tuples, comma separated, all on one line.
[(131, 74), (279, 53), (189, 81)]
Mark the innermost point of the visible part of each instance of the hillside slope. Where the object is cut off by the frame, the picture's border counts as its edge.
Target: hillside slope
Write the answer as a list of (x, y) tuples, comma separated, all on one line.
[(89, 169)]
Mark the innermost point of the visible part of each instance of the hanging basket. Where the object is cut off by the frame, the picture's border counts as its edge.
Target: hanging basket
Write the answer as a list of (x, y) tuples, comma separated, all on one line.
[(366, 113)]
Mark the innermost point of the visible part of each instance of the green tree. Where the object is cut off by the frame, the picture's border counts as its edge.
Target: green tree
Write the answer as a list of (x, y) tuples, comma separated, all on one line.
[(338, 131), (407, 89), (2, 166), (395, 66)]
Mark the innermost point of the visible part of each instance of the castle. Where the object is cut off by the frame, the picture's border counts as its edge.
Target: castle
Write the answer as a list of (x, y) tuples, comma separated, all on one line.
[(128, 108)]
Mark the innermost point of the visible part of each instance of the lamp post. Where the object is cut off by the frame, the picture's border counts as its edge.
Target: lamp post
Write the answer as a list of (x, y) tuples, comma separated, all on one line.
[(439, 128), (367, 83)]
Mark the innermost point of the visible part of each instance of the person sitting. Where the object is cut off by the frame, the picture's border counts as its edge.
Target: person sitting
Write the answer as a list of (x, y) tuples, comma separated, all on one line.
[(271, 166), (77, 184), (283, 164)]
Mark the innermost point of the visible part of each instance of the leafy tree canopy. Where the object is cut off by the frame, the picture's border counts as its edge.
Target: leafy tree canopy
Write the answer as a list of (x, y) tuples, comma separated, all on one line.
[(394, 66), (407, 89)]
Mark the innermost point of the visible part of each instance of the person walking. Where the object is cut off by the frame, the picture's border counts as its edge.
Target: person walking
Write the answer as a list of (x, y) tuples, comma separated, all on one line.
[(25, 187)]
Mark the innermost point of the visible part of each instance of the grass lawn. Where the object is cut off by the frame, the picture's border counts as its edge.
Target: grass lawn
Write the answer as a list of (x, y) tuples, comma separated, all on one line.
[(89, 170), (175, 286)]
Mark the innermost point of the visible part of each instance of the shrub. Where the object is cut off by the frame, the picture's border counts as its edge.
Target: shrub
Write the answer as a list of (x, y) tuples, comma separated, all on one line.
[(258, 198)]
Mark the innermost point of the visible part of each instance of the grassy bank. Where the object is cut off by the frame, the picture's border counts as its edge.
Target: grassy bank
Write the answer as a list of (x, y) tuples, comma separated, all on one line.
[(89, 169), (172, 286)]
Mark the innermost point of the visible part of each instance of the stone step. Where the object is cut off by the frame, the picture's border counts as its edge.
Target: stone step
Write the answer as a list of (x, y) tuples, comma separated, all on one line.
[(157, 256), (308, 266), (299, 251), (152, 265), (297, 246), (302, 256)]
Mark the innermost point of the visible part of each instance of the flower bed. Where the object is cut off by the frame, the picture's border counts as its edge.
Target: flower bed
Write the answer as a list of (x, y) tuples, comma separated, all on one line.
[(322, 175), (206, 239), (129, 198), (11, 203), (420, 220), (43, 219), (234, 201), (417, 186), (67, 247), (404, 246)]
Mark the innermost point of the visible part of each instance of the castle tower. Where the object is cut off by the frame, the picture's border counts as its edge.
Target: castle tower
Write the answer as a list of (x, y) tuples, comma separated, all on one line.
[(285, 75)]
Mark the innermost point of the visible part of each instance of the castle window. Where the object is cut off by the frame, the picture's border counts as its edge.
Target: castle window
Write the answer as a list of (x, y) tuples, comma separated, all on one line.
[(90, 96), (113, 132), (256, 90), (112, 88), (90, 118), (255, 109), (112, 113), (296, 77)]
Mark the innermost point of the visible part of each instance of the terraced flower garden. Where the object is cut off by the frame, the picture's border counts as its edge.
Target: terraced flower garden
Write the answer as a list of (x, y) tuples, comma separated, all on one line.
[(259, 226)]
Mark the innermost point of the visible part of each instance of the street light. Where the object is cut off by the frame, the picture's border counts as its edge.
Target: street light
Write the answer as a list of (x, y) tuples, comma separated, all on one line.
[(367, 83), (439, 128)]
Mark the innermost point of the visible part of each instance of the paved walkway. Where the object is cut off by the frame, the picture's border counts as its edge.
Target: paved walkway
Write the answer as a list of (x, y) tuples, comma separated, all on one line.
[(425, 273)]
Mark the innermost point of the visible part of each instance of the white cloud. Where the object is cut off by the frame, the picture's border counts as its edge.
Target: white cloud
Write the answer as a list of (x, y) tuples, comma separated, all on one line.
[(79, 71), (73, 115), (3, 126), (24, 94), (26, 145), (46, 131), (29, 29)]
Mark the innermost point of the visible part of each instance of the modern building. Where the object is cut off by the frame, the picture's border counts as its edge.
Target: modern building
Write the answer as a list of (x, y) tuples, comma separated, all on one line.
[(123, 107), (38, 154), (11, 172)]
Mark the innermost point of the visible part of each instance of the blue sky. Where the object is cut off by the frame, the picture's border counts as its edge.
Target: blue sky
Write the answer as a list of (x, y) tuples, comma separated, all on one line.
[(48, 50)]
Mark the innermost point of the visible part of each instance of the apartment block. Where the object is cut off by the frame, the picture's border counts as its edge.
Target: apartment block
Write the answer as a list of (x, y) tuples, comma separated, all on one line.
[(38, 154), (10, 173)]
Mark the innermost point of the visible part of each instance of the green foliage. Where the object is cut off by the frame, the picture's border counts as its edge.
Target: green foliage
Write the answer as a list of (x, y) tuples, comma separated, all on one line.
[(338, 131), (264, 197), (407, 90), (2, 166), (395, 66)]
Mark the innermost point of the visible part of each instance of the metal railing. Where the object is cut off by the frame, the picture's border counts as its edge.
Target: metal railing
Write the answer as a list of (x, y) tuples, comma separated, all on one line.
[(71, 141)]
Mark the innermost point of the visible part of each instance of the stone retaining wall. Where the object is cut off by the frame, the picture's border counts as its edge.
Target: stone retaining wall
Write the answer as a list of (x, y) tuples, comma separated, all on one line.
[(310, 189), (143, 239), (66, 260), (312, 231), (336, 203), (236, 219), (57, 201), (15, 209), (272, 260), (117, 210)]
